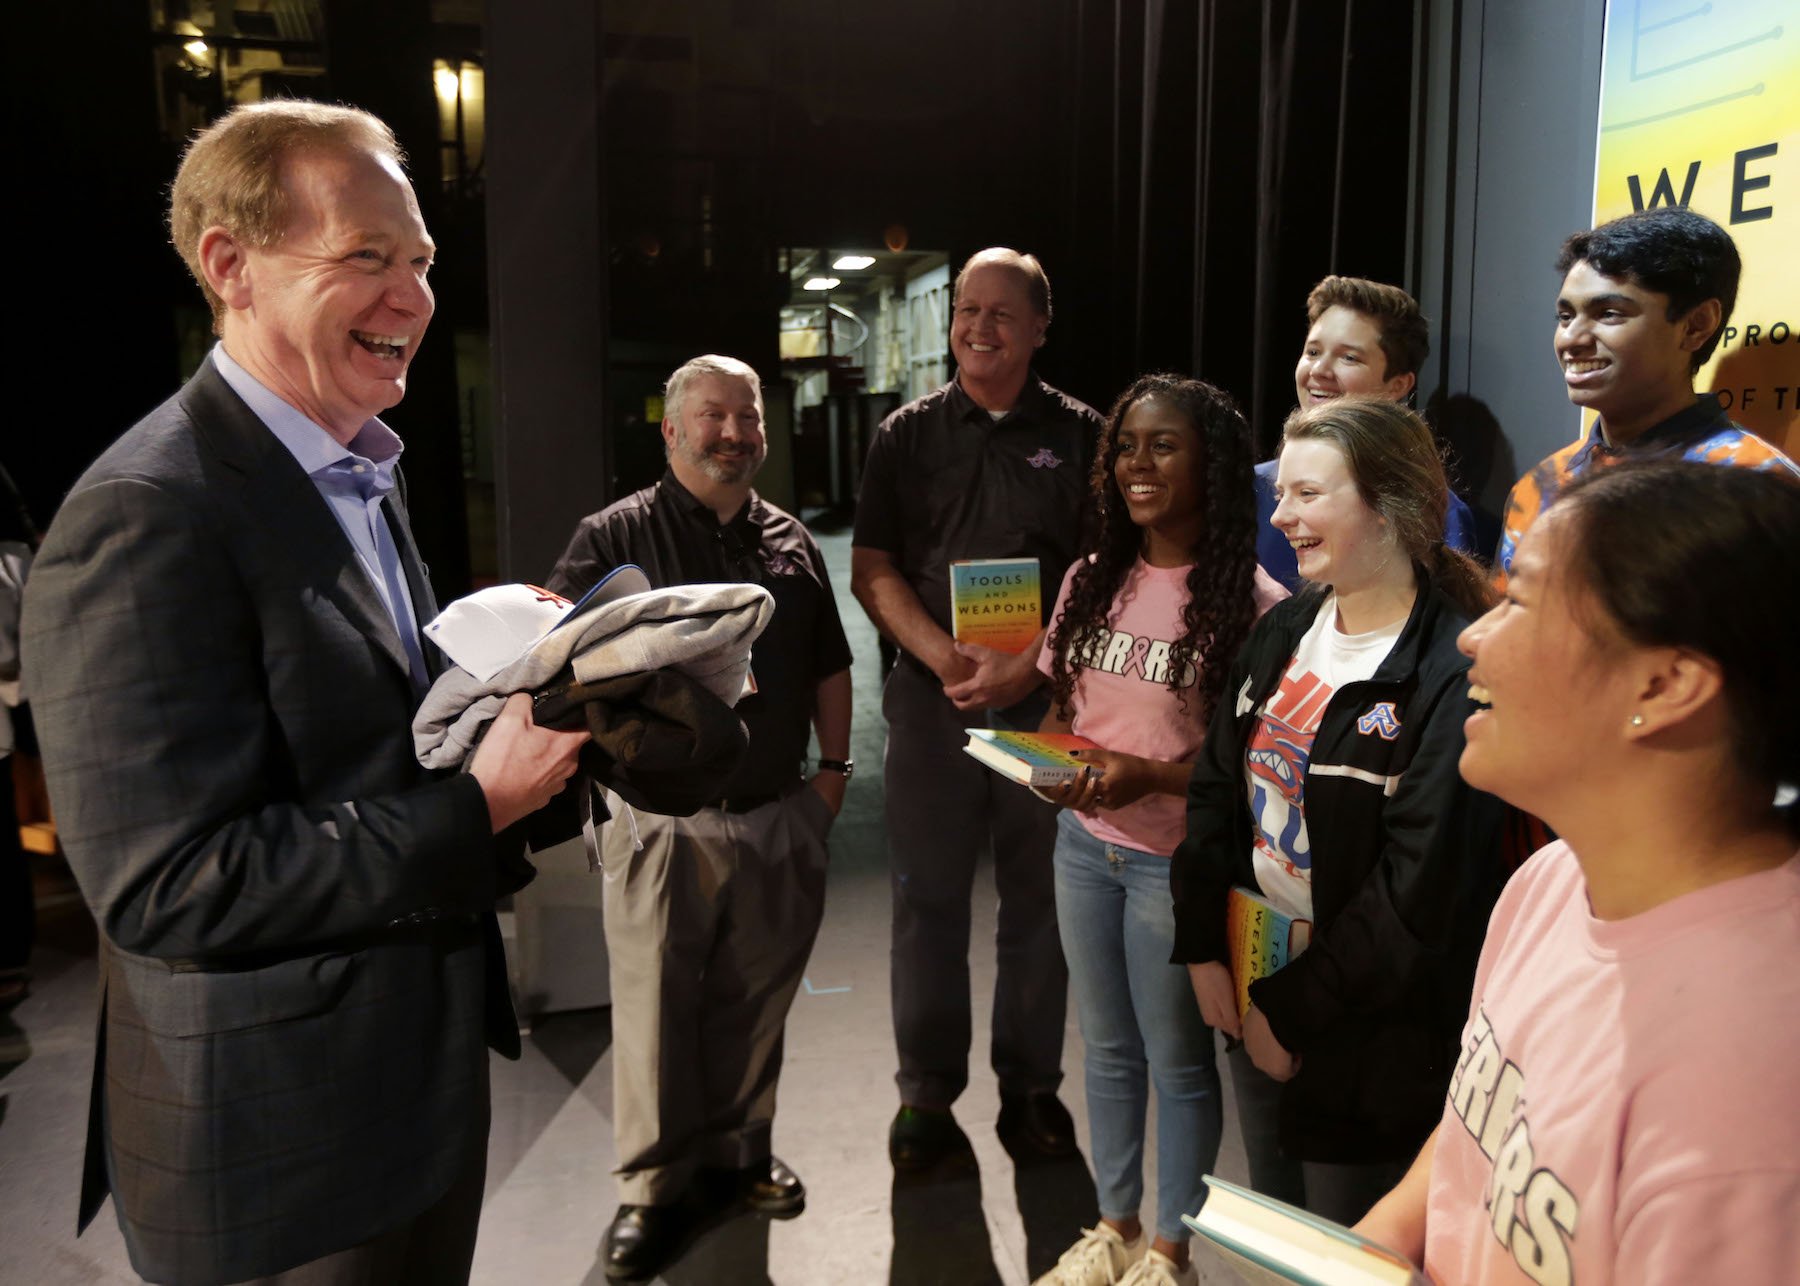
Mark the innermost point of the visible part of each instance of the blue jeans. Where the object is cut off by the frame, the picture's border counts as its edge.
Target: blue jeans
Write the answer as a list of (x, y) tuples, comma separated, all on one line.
[(1138, 1015)]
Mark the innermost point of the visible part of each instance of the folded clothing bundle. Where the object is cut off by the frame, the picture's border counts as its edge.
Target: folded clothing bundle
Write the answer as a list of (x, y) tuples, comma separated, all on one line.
[(661, 741), (702, 632)]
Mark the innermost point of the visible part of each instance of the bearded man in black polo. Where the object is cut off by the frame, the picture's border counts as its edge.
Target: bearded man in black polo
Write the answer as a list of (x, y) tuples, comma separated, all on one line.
[(710, 918)]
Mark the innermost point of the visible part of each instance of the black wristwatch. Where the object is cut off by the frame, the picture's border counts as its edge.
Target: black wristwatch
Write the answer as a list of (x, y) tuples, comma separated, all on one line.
[(845, 766)]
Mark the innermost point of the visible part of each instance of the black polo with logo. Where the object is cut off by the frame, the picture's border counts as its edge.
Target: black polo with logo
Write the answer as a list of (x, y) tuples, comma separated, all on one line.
[(945, 481), (678, 540)]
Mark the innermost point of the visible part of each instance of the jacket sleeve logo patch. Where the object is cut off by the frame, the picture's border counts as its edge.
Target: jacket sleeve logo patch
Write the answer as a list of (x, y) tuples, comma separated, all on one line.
[(1044, 459), (1380, 720)]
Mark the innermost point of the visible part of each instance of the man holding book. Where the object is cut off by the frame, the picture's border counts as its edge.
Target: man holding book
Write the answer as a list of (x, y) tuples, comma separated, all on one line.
[(991, 466), (710, 918)]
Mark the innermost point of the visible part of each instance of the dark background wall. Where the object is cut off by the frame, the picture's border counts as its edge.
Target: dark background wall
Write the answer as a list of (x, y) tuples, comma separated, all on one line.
[(1186, 168), (106, 319), (1509, 99), (90, 278)]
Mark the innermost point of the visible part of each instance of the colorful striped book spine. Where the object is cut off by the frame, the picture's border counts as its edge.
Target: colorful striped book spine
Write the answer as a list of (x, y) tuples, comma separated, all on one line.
[(1029, 758), (1261, 940)]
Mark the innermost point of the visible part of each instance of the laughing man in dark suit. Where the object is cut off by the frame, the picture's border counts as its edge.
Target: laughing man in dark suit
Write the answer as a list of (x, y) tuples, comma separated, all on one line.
[(300, 966)]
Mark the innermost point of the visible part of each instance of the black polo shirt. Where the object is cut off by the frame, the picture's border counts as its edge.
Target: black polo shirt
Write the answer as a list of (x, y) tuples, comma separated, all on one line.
[(678, 540), (945, 481)]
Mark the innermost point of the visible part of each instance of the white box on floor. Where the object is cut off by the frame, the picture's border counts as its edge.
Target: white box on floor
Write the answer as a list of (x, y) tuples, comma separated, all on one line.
[(561, 944)]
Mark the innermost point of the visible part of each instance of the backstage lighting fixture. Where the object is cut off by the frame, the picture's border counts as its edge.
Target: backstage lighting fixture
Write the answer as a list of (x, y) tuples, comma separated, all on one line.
[(853, 263), (821, 283), (447, 81), (196, 48)]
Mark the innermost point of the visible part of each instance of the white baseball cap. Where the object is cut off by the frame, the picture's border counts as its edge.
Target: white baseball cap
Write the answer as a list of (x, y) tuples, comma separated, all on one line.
[(488, 630)]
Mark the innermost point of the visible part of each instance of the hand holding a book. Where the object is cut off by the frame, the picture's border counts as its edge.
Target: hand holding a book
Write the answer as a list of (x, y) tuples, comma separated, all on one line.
[(1082, 795), (951, 667), (1217, 995), (1122, 779), (996, 679), (1265, 1051)]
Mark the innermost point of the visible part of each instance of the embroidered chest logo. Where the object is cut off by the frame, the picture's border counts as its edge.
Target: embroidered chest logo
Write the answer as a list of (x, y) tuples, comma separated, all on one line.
[(780, 564), (1380, 720), (1044, 459)]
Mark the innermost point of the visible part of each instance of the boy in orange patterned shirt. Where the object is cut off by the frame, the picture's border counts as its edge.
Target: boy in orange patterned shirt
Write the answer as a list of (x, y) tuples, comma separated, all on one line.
[(1644, 299)]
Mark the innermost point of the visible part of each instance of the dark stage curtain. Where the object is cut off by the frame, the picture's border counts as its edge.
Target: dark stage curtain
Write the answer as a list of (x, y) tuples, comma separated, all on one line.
[(1224, 156)]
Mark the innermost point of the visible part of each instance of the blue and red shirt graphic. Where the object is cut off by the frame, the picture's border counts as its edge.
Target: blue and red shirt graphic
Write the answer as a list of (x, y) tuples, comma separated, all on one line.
[(1275, 764)]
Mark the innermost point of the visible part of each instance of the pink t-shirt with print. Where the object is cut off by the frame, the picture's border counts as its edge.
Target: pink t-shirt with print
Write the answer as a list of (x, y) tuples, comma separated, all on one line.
[(1623, 1108), (1122, 699)]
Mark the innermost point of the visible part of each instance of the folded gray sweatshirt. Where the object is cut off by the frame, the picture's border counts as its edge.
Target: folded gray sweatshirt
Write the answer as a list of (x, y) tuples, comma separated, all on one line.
[(702, 631)]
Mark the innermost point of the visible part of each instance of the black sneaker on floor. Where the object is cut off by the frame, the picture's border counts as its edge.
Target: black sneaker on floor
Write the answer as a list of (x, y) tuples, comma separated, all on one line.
[(1035, 1124), (922, 1137)]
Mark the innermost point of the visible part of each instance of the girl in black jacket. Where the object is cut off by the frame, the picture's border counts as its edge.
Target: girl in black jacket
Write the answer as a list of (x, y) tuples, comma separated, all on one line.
[(1328, 783)]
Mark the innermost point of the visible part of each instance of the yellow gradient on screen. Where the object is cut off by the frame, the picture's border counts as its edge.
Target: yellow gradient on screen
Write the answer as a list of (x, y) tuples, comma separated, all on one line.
[(1686, 83)]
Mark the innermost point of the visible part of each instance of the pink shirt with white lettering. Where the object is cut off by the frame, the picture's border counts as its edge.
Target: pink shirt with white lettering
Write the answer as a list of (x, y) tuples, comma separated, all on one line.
[(1624, 1108), (1122, 699)]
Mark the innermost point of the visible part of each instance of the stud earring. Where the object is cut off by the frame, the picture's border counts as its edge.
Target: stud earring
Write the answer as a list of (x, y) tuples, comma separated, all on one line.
[(1637, 720)]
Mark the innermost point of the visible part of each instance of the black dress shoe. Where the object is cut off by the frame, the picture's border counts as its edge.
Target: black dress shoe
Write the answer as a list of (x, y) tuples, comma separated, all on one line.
[(772, 1188), (1037, 1124), (921, 1137), (641, 1240)]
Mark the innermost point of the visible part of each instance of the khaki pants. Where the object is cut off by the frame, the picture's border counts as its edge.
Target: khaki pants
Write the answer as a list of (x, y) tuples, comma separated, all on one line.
[(708, 928)]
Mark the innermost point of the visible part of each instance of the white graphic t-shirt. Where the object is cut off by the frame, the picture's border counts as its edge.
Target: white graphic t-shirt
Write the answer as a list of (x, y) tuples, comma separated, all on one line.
[(1281, 744)]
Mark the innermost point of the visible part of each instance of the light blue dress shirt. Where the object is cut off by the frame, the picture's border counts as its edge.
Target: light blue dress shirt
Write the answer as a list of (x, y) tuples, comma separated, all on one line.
[(353, 481)]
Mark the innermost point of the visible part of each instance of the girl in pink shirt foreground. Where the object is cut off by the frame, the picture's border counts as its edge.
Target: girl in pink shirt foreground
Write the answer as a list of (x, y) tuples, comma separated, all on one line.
[(1624, 1106), (1141, 635)]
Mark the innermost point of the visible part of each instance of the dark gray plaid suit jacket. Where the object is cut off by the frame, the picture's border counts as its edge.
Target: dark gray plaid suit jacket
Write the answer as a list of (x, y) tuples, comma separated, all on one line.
[(300, 968)]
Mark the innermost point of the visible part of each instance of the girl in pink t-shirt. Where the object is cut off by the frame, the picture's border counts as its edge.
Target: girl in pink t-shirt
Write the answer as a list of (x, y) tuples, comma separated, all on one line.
[(1132, 669), (1623, 1106)]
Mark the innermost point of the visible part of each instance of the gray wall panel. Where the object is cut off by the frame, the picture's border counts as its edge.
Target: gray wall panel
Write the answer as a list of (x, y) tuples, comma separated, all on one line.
[(546, 290), (1508, 100)]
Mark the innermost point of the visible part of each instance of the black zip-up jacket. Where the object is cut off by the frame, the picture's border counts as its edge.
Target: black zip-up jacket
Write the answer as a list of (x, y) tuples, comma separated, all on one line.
[(1406, 864)]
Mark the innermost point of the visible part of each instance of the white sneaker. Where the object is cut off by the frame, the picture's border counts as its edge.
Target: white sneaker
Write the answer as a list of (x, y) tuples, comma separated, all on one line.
[(1157, 1269), (1097, 1259)]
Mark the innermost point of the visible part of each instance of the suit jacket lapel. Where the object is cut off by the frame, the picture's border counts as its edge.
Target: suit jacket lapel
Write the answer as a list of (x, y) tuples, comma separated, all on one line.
[(418, 583), (279, 498)]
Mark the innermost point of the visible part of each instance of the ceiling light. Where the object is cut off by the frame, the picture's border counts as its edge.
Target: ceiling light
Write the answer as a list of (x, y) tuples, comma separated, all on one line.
[(195, 47), (821, 283), (852, 263)]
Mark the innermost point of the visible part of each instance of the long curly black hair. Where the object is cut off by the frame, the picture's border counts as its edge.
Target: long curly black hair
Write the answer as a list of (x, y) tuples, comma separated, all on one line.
[(1220, 608)]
